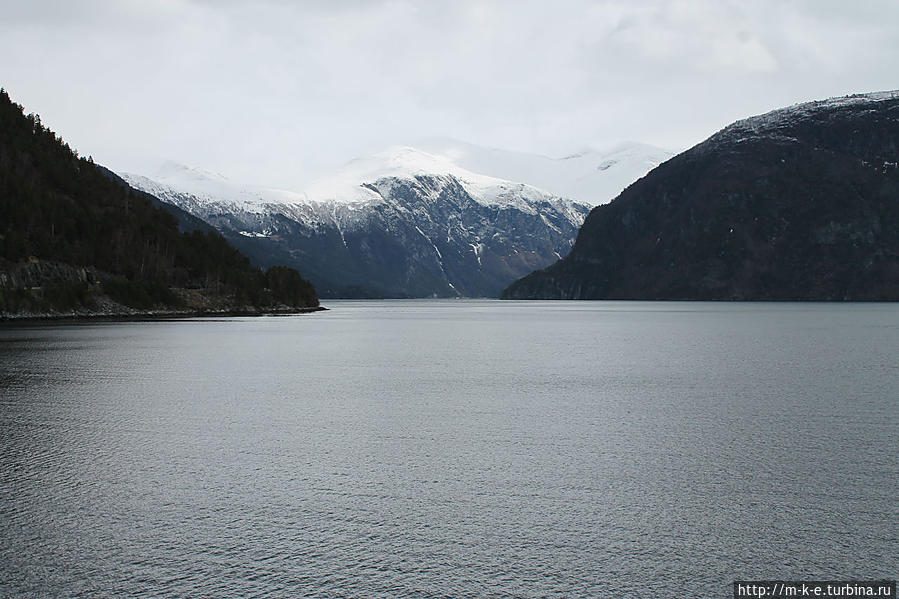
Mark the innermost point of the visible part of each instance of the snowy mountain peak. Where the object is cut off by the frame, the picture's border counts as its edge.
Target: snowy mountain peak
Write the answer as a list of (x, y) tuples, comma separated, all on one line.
[(399, 161), (493, 176), (403, 222), (362, 179)]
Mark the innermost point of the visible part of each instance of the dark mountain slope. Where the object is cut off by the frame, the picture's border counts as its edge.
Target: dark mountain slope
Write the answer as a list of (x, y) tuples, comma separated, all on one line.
[(798, 204), (72, 238)]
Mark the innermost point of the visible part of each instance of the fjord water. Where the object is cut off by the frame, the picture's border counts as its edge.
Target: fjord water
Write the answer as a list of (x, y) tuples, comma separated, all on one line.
[(451, 449)]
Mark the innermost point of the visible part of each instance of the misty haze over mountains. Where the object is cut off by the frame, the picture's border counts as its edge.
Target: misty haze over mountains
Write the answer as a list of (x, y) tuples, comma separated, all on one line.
[(590, 176), (448, 219)]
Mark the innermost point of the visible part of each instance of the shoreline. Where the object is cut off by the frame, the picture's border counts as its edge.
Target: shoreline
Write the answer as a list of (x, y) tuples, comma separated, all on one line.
[(149, 315)]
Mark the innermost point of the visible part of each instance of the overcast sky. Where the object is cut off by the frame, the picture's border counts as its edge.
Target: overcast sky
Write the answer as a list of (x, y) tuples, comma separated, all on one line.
[(275, 91)]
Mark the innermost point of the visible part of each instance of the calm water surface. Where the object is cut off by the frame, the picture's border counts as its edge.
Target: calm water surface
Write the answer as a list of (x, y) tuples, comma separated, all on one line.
[(451, 449)]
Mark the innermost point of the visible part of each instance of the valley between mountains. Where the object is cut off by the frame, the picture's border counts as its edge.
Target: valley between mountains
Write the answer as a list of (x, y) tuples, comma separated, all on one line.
[(412, 223), (801, 203)]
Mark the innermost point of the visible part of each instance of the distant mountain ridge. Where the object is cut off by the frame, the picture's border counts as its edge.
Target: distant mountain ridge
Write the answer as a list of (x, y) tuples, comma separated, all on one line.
[(401, 223), (801, 203), (409, 222)]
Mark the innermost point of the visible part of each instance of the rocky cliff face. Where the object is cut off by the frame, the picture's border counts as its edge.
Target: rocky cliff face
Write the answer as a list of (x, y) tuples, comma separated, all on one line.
[(797, 204), (410, 232)]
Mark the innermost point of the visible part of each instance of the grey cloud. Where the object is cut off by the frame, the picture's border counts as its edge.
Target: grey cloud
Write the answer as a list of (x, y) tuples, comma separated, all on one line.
[(273, 91)]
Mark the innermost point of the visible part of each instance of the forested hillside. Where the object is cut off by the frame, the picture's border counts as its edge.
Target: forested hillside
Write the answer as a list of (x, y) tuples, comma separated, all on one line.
[(72, 238)]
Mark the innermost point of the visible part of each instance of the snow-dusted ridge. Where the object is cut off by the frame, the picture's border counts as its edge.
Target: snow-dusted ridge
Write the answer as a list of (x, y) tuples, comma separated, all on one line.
[(781, 116), (400, 223), (491, 176), (208, 186), (360, 180)]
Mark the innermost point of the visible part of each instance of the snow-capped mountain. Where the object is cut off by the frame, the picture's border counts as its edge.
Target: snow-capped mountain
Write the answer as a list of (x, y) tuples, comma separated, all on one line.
[(591, 177), (400, 223)]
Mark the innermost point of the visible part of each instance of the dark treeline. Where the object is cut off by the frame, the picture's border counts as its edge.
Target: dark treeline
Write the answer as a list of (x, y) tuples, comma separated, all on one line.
[(58, 207)]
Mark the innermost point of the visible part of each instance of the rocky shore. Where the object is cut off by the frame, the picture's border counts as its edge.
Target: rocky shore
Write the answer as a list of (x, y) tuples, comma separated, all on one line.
[(34, 281), (126, 314)]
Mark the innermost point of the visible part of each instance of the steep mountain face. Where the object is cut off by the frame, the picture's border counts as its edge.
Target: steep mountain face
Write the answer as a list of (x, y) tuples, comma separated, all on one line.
[(404, 223), (591, 177), (798, 204)]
